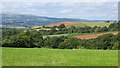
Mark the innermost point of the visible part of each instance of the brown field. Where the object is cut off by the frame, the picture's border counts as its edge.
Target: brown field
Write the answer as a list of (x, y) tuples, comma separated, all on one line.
[(91, 36)]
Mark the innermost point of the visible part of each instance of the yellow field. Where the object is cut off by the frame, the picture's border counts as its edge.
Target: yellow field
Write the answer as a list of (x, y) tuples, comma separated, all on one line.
[(91, 24)]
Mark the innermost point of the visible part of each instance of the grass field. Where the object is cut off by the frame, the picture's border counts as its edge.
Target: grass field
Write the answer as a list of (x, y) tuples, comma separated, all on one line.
[(0, 57), (76, 34), (91, 24), (81, 24), (58, 57), (69, 35), (58, 35)]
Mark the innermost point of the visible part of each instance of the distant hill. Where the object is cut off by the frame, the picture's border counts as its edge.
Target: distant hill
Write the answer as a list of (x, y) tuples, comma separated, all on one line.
[(24, 20)]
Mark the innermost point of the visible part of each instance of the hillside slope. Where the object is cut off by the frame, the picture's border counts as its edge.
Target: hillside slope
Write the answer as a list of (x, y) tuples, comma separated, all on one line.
[(81, 24), (32, 20)]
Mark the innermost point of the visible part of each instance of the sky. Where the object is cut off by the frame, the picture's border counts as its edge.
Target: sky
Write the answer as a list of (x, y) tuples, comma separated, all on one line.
[(81, 9)]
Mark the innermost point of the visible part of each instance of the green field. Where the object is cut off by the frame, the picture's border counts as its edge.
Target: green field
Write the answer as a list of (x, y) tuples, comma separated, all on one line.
[(58, 57), (0, 56), (58, 35), (91, 24), (77, 34), (69, 35)]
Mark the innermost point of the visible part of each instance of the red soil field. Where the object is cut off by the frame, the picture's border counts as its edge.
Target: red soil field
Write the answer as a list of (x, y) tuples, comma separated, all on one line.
[(65, 23), (91, 36)]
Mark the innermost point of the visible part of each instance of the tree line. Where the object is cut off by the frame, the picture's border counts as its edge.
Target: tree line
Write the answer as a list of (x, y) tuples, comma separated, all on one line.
[(33, 38), (86, 29)]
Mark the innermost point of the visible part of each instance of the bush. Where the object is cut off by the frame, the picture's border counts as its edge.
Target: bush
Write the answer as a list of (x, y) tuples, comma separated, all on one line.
[(69, 43)]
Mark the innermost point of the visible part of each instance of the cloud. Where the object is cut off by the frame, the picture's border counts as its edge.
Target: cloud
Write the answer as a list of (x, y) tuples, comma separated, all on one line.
[(0, 7), (89, 10), (95, 4), (64, 11), (29, 4), (60, 0)]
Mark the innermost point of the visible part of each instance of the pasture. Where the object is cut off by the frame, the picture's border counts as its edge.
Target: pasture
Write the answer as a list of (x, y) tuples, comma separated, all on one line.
[(81, 24), (69, 35), (0, 56), (57, 35), (92, 24), (81, 35), (58, 57)]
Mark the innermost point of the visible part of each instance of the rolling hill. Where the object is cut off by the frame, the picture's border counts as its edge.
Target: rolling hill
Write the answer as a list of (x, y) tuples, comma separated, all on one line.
[(25, 20), (81, 24)]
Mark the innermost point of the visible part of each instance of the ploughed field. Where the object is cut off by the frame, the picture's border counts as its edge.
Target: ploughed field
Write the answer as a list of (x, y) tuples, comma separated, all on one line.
[(91, 36), (58, 57)]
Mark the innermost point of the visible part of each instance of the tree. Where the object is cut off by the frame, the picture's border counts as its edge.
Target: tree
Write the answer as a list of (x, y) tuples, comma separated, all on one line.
[(38, 39), (101, 29), (10, 32), (53, 42), (94, 28), (69, 43), (104, 41), (61, 26), (114, 26), (107, 21), (52, 31)]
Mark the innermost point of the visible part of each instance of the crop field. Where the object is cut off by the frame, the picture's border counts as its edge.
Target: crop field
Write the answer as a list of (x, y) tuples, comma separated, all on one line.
[(77, 34), (58, 57), (82, 35), (91, 24), (91, 36), (81, 24)]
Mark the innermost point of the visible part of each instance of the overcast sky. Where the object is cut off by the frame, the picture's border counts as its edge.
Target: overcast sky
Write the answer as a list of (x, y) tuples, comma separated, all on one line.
[(89, 9)]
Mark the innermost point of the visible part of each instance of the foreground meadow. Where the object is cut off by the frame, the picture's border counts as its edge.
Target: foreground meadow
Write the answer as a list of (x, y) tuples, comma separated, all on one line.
[(58, 57)]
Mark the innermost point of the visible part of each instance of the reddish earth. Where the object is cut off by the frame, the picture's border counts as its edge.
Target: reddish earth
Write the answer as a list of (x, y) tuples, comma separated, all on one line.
[(65, 23), (91, 36)]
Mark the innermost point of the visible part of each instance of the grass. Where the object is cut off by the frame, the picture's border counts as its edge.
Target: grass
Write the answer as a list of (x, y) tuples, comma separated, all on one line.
[(91, 24), (101, 24), (0, 57), (77, 34), (58, 57), (69, 35), (57, 35)]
